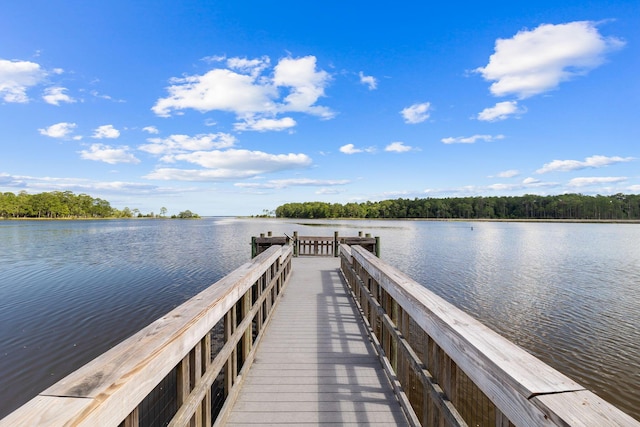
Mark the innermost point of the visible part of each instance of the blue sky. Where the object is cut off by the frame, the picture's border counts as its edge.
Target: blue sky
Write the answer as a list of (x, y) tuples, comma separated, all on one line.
[(231, 108)]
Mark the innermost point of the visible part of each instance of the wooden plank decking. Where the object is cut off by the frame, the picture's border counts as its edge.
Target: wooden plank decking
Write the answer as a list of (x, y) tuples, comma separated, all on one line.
[(315, 364)]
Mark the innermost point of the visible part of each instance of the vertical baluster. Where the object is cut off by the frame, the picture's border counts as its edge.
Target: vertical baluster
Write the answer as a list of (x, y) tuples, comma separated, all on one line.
[(502, 420), (133, 419), (206, 362), (186, 376), (259, 316), (453, 381), (230, 367), (183, 379), (195, 360), (394, 318)]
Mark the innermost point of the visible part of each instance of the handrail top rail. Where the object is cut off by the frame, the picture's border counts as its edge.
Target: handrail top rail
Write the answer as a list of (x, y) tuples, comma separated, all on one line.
[(317, 237), (93, 394), (499, 367), (528, 373)]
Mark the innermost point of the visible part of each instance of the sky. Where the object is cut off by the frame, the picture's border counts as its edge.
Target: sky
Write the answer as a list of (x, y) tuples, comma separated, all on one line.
[(238, 107)]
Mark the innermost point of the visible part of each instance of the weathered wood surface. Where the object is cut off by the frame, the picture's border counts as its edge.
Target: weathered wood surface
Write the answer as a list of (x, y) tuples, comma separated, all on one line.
[(313, 364), (528, 391), (106, 390), (314, 245)]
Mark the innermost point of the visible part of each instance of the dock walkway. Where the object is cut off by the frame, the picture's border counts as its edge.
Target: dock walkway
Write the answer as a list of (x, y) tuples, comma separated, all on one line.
[(296, 351), (315, 364)]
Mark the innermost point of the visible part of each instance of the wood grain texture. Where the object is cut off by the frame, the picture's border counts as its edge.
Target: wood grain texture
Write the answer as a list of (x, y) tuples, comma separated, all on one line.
[(582, 408), (313, 364), (110, 387), (506, 373)]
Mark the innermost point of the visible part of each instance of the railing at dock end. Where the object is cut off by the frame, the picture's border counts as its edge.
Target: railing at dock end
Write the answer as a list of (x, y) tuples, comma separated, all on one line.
[(315, 245), (448, 369)]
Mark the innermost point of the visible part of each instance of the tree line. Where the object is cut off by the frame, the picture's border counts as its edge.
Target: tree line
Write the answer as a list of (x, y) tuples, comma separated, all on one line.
[(66, 204), (565, 206)]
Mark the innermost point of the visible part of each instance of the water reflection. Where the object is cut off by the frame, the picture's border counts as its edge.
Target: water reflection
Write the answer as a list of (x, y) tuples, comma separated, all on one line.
[(568, 293)]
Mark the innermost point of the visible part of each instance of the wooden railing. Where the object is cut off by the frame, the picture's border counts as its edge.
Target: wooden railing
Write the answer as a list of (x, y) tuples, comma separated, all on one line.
[(449, 369), (183, 369), (315, 245)]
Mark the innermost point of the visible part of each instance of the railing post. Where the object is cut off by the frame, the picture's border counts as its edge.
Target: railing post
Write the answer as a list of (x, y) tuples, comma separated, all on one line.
[(254, 247), (248, 337), (336, 244), (295, 244)]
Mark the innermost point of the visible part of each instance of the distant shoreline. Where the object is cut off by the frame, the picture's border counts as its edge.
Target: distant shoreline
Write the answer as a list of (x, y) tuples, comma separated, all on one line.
[(533, 220), (111, 218), (530, 220)]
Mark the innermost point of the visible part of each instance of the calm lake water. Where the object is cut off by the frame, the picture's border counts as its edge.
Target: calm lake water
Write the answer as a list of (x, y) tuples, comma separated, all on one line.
[(567, 293)]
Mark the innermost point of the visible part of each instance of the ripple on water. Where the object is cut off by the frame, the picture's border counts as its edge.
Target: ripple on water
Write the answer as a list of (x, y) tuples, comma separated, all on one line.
[(567, 293)]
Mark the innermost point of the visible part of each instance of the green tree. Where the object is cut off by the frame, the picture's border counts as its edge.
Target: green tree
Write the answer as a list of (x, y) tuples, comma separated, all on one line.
[(187, 215)]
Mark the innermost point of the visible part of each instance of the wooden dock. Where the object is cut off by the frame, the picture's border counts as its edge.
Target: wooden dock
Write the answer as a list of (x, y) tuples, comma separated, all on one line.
[(316, 330), (315, 364)]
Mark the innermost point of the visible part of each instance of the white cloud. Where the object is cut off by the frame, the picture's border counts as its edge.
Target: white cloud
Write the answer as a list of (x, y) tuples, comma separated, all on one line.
[(108, 154), (80, 185), (96, 94), (230, 164), (263, 125), (151, 129), (589, 162), (501, 111), (59, 130), (218, 89), (502, 187), (56, 95), (471, 139), (256, 161), (106, 131), (530, 181), (178, 144), (205, 150), (294, 182), (244, 89), (18, 76), (527, 185), (398, 147), (351, 149), (307, 85), (198, 175), (508, 173), (416, 113), (253, 67), (538, 60), (214, 58), (369, 81), (7, 180), (587, 181), (327, 191)]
